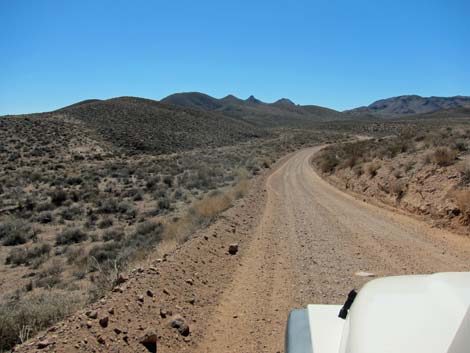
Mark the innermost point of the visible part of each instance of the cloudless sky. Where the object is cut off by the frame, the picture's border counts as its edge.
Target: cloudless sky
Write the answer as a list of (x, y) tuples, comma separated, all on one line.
[(335, 53)]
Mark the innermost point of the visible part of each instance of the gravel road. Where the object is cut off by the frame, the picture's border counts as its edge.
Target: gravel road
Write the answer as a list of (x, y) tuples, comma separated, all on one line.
[(309, 246)]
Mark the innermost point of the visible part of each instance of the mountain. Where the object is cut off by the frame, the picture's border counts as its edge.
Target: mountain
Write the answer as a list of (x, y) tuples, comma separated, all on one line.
[(282, 113), (411, 105), (139, 125)]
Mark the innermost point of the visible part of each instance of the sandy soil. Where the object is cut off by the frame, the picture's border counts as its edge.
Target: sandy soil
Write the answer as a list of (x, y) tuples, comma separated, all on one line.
[(301, 241)]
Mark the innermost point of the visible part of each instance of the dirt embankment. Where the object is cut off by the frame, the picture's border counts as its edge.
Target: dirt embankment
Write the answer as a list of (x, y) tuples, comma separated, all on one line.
[(432, 183)]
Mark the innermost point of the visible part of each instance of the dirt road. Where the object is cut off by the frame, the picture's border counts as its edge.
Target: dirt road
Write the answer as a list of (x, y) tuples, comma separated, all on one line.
[(310, 243)]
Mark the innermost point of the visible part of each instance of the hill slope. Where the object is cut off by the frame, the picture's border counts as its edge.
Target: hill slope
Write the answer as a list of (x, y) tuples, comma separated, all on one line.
[(143, 125), (278, 114), (411, 105)]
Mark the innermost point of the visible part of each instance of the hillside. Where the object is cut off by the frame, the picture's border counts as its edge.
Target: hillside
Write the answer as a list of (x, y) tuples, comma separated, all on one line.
[(282, 113), (411, 105), (142, 125)]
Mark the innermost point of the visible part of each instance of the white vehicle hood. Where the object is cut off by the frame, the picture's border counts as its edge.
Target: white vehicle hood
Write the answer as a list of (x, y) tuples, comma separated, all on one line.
[(410, 314)]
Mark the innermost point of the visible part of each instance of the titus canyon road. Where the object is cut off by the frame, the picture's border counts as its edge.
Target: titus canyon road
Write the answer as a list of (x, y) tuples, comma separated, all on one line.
[(309, 246)]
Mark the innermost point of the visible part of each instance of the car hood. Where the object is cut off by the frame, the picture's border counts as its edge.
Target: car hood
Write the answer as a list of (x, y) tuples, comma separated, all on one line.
[(428, 313)]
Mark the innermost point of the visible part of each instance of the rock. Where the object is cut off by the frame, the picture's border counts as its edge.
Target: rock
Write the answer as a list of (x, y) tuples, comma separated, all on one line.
[(118, 290), (43, 344), (111, 311), (164, 313), (104, 321), (192, 301), (101, 339), (364, 274), (233, 249), (179, 323), (149, 293), (117, 331), (149, 340), (140, 298), (92, 314), (89, 324), (166, 291), (190, 281), (122, 278)]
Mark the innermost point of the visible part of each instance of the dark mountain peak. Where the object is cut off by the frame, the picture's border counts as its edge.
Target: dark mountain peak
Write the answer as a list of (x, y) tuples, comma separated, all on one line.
[(284, 101), (193, 100), (231, 99), (252, 99)]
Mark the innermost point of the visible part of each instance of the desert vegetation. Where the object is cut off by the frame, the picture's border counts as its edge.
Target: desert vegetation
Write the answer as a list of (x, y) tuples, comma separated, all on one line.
[(78, 206), (423, 170)]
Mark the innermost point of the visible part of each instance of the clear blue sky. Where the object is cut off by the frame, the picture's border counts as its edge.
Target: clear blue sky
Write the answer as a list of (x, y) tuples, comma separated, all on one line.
[(339, 54)]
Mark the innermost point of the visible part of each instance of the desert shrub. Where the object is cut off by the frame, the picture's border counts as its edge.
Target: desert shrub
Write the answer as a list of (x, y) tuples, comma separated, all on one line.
[(23, 316), (45, 206), (108, 206), (138, 196), (327, 162), (358, 170), (75, 254), (44, 217), (105, 223), (464, 174), (444, 156), (146, 234), (116, 234), (146, 227), (16, 232), (50, 276), (58, 197), (152, 182), (71, 236), (22, 256), (398, 188), (71, 213), (164, 204), (240, 189), (105, 252), (127, 210), (372, 169), (462, 198), (168, 180), (460, 145)]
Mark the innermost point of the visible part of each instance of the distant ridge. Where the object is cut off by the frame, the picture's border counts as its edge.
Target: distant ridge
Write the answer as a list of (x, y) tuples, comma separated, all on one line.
[(138, 125), (282, 113), (408, 105)]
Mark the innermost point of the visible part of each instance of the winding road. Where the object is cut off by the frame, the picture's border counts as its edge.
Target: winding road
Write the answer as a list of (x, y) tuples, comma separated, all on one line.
[(310, 246)]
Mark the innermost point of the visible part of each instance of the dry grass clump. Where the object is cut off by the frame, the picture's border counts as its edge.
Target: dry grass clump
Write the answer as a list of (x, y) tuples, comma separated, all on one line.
[(462, 198), (372, 169), (22, 316), (398, 188), (444, 156), (212, 205)]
